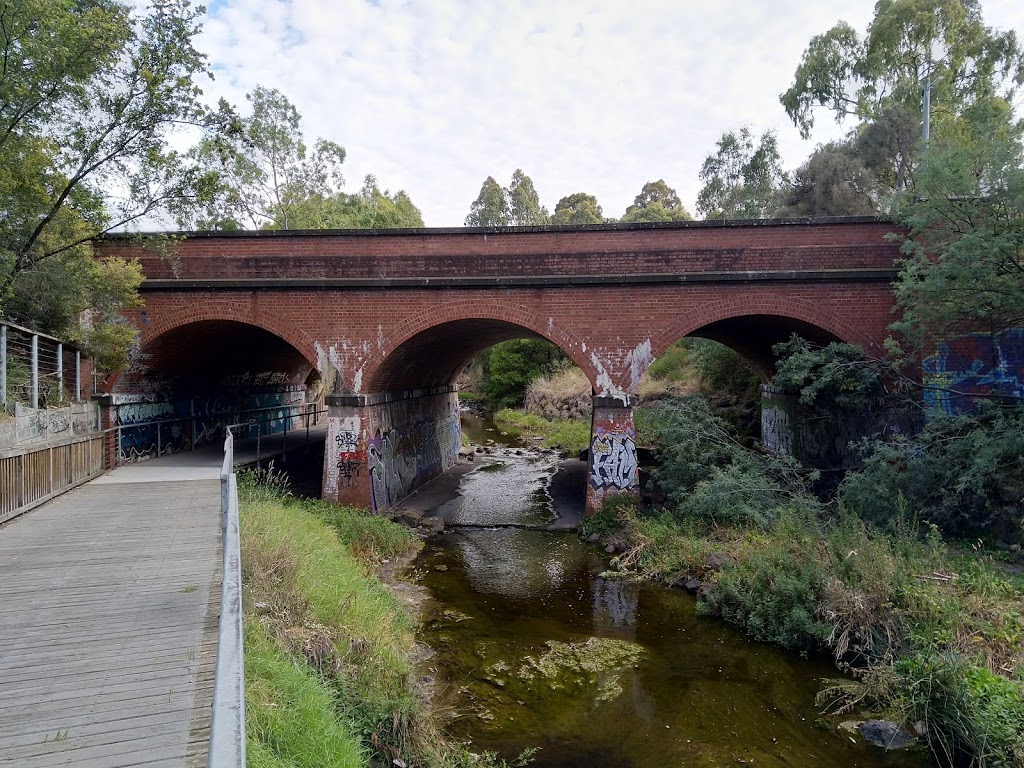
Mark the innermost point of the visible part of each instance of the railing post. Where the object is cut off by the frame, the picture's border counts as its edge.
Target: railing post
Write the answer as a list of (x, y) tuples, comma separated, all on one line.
[(60, 372), (78, 375), (35, 371), (117, 448), (3, 365)]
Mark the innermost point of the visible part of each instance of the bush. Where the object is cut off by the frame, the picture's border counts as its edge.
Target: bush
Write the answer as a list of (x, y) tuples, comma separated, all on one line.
[(707, 473), (773, 592), (512, 365), (722, 369), (964, 474)]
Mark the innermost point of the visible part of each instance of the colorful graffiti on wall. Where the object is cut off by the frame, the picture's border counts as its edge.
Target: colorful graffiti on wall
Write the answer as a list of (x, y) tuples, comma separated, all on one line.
[(972, 365), (400, 460), (152, 425)]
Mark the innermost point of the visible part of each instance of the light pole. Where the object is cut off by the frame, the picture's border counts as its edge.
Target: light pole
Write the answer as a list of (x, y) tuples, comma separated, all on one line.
[(926, 107)]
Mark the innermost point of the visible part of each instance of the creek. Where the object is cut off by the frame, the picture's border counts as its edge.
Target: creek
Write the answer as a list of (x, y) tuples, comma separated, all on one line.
[(537, 646)]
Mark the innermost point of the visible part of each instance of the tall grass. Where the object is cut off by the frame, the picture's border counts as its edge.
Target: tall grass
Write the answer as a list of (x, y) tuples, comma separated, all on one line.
[(570, 437)]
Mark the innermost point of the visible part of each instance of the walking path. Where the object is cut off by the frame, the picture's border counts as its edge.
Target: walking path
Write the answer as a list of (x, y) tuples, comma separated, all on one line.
[(109, 605)]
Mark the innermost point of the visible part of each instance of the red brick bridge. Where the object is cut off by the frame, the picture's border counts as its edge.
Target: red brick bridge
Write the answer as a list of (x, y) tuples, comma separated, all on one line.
[(387, 320)]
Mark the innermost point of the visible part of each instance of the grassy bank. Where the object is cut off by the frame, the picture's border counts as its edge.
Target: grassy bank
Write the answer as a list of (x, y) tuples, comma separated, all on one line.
[(930, 628), (327, 645), (570, 437)]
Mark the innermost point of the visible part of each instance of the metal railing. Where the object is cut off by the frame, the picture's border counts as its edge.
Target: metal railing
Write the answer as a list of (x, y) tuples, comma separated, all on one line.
[(170, 433), (227, 727), (36, 368)]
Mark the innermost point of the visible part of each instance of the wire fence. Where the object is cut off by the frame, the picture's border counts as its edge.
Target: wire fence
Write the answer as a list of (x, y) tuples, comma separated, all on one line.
[(37, 370)]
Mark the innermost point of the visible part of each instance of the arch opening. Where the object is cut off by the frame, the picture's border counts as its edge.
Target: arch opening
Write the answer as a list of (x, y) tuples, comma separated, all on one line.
[(436, 356), (185, 385)]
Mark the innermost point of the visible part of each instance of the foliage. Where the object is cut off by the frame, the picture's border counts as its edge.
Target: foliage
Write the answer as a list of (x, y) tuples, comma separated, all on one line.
[(830, 377), (877, 79), (90, 96), (906, 40), (673, 364), (963, 265), (570, 437), (706, 473), (577, 208), (722, 369), (834, 181), (369, 208), (964, 474), (516, 205), (615, 512), (490, 209), (657, 201), (774, 594), (741, 181), (512, 365), (524, 208), (262, 173)]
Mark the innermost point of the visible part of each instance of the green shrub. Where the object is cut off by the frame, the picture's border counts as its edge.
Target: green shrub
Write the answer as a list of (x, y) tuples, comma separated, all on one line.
[(964, 474), (510, 367), (723, 369), (773, 592), (673, 364), (707, 473)]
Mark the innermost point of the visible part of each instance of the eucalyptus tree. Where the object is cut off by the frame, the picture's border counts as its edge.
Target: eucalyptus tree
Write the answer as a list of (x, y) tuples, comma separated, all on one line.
[(90, 95), (657, 201), (741, 179)]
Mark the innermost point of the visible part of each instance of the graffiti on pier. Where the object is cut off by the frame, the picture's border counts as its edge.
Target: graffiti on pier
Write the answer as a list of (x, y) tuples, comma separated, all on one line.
[(393, 468), (351, 459), (613, 463)]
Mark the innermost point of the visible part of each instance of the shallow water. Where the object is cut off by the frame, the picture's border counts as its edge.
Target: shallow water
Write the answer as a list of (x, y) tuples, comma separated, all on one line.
[(536, 648)]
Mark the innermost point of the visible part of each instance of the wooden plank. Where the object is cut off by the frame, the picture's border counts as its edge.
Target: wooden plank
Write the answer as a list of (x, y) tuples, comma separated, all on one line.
[(108, 617)]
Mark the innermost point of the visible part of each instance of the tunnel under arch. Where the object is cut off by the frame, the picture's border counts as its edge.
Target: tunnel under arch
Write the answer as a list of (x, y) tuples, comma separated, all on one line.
[(435, 356), (184, 384), (753, 328)]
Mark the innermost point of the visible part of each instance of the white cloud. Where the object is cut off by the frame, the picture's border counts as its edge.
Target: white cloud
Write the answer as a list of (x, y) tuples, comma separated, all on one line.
[(597, 96)]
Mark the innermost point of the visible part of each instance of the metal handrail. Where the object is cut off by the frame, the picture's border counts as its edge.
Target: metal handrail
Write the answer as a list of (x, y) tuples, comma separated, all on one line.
[(227, 726), (303, 411)]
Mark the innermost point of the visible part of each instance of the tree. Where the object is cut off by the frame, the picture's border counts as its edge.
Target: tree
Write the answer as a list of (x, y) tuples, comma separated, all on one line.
[(834, 181), (490, 209), (90, 93), (524, 208), (963, 269), (370, 208), (878, 79), (657, 201), (517, 205), (741, 181), (263, 173), (578, 208)]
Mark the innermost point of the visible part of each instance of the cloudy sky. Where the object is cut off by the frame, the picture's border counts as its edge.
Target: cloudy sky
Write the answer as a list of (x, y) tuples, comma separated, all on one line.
[(598, 96)]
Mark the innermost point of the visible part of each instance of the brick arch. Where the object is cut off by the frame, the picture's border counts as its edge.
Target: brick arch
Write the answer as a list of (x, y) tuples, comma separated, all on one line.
[(475, 309), (169, 321), (784, 307), (189, 314)]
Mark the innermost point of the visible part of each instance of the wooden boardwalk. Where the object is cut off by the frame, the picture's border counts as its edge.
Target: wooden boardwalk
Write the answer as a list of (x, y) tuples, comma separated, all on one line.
[(109, 603)]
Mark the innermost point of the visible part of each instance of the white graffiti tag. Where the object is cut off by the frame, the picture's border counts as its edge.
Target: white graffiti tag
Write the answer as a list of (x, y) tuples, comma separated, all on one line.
[(613, 462)]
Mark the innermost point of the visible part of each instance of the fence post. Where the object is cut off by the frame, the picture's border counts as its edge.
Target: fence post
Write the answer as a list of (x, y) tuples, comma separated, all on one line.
[(159, 446), (35, 371), (78, 375), (60, 372), (3, 365)]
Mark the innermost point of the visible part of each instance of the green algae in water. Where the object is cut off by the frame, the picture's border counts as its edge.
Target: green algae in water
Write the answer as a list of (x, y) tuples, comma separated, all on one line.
[(597, 663), (535, 649)]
